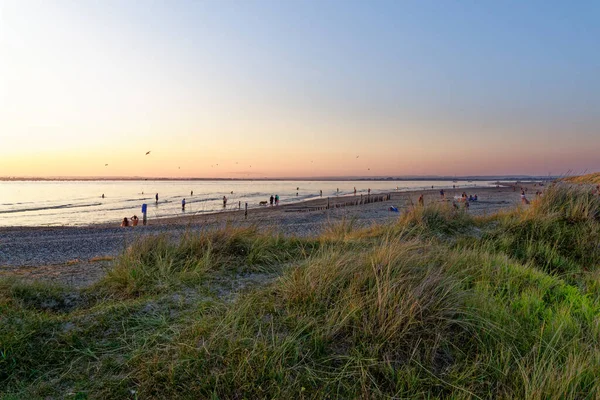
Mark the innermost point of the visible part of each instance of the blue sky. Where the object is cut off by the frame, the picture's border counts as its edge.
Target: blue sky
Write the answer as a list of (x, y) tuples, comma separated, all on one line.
[(413, 87)]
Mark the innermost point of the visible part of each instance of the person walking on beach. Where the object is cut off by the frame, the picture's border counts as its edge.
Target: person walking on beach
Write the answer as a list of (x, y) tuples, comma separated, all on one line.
[(271, 199), (321, 193), (102, 195), (191, 193), (183, 205), (276, 199), (224, 201), (156, 197), (421, 201), (369, 191), (442, 194), (523, 198), (355, 190)]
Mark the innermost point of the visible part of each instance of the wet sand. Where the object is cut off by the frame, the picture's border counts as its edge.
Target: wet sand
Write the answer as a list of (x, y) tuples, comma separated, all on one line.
[(79, 255)]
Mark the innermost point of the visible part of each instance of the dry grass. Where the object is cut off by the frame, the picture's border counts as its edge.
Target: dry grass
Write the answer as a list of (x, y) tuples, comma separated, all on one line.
[(585, 179)]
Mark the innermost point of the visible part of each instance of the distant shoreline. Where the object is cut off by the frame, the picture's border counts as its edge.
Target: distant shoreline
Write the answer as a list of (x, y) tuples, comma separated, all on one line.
[(317, 179)]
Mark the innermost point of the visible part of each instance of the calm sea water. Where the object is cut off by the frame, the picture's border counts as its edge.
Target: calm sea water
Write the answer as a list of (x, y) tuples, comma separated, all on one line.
[(80, 202)]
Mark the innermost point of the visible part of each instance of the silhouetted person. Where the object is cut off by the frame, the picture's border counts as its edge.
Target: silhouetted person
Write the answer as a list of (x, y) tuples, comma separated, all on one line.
[(183, 205), (156, 197)]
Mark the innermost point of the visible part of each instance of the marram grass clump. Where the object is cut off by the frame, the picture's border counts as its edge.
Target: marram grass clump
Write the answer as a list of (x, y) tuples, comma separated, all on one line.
[(422, 308)]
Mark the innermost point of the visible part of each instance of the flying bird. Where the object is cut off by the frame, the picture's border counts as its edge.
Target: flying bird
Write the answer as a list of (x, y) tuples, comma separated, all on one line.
[(148, 152), (356, 156), (106, 165)]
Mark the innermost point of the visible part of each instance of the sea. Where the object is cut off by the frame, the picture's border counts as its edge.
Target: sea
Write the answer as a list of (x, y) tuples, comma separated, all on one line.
[(77, 203)]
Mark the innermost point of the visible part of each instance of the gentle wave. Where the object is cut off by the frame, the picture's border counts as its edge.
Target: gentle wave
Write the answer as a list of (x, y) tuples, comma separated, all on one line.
[(62, 206)]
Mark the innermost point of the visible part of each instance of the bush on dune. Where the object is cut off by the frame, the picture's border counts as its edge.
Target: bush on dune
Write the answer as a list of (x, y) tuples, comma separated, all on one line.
[(157, 263), (400, 319), (436, 220), (560, 232)]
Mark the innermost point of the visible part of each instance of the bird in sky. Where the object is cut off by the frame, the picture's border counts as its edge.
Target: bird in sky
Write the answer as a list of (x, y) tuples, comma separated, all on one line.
[(106, 165), (148, 152), (356, 156)]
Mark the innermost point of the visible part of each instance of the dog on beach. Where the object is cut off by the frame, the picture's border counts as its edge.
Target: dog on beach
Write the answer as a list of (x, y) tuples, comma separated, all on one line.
[(263, 203)]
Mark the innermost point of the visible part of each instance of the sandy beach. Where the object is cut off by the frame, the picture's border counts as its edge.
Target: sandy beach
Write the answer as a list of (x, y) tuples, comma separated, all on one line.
[(80, 255)]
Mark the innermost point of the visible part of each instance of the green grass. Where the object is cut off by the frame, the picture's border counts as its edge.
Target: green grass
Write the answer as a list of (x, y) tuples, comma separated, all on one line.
[(438, 304)]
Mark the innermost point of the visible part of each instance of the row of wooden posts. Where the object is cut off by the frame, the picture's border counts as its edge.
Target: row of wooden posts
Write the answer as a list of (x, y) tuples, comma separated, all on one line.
[(354, 201)]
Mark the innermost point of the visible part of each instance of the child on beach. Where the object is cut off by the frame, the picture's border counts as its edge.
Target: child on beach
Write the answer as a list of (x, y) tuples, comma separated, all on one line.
[(271, 199), (134, 220), (124, 223)]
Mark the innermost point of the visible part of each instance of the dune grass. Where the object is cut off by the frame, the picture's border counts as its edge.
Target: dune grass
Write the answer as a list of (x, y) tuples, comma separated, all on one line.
[(593, 179), (438, 304)]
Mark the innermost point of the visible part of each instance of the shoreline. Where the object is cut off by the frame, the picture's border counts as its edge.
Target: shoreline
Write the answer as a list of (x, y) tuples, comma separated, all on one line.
[(300, 179), (68, 254), (253, 209)]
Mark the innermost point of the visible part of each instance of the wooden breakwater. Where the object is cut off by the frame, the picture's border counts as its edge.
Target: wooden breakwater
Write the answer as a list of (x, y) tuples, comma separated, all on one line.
[(343, 202)]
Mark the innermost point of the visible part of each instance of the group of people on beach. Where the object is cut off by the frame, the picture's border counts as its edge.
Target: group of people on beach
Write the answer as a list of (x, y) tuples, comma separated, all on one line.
[(463, 198), (134, 222), (274, 200)]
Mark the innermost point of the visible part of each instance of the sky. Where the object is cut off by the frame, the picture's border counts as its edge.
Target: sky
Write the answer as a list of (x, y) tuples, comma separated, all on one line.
[(248, 89)]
